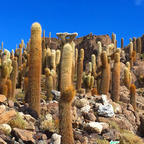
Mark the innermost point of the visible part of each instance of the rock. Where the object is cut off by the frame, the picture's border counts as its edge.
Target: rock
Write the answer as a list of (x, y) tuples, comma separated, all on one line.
[(25, 135), (29, 118), (96, 127), (112, 134), (89, 116), (5, 128), (40, 136), (81, 103), (106, 110), (42, 142), (56, 139), (104, 99), (2, 108), (2, 98), (7, 116), (117, 108), (130, 107), (56, 94), (124, 94), (10, 103), (2, 141), (85, 109)]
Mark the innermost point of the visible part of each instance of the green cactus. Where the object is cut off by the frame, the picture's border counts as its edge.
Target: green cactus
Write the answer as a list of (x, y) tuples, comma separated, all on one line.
[(93, 60)]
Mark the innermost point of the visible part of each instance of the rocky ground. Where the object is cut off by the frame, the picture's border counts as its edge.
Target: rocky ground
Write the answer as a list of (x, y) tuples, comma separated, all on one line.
[(96, 119)]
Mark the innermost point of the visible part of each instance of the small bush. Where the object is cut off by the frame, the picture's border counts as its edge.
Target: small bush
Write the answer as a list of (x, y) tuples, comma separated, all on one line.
[(18, 122), (102, 141)]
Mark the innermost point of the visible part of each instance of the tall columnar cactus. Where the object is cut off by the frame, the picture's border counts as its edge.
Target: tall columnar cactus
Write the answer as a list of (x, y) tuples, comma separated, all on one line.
[(127, 77), (66, 67), (2, 46), (9, 89), (76, 61), (58, 56), (99, 54), (49, 84), (13, 76), (50, 37), (25, 86), (133, 96), (20, 55), (139, 45), (134, 43), (65, 115), (122, 43), (88, 82), (73, 60), (116, 78), (44, 50), (131, 54), (105, 80), (53, 59), (80, 69), (93, 60), (34, 76), (48, 57), (114, 40)]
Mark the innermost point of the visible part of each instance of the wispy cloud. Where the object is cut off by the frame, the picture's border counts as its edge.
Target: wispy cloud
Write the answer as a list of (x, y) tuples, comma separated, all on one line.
[(139, 2)]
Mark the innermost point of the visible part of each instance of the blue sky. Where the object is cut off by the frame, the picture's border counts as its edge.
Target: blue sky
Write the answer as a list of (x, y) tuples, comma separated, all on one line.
[(123, 17)]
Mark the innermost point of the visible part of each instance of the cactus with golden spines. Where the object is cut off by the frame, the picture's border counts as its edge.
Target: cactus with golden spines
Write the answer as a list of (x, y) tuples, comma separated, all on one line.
[(9, 89), (139, 45), (80, 69), (65, 115), (20, 55), (12, 54), (133, 96), (127, 77), (134, 43), (50, 37), (25, 87), (53, 59), (93, 60), (131, 54), (130, 39), (116, 78), (49, 84), (76, 61), (58, 56), (44, 52), (88, 82), (105, 75), (48, 57), (13, 76), (34, 75), (66, 66), (114, 40), (2, 46), (99, 54), (122, 43)]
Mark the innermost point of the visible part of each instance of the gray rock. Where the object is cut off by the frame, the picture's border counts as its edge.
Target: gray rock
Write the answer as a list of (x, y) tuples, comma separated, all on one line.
[(56, 139), (106, 110), (56, 94)]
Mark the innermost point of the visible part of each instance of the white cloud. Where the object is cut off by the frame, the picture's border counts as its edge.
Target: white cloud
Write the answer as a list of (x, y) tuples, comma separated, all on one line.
[(138, 2)]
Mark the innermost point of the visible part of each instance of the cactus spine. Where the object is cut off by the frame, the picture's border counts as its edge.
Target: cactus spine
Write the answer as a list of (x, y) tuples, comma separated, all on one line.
[(65, 115), (133, 96), (34, 75), (116, 78), (105, 81), (80, 69), (66, 67)]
